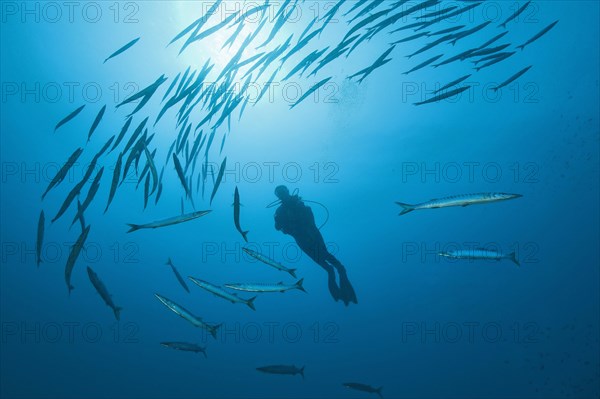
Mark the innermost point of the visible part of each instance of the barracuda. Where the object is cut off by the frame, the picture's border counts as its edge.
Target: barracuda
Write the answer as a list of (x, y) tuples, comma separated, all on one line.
[(480, 254), (103, 292), (458, 200), (220, 292), (268, 261), (187, 315), (167, 222), (258, 287), (185, 346)]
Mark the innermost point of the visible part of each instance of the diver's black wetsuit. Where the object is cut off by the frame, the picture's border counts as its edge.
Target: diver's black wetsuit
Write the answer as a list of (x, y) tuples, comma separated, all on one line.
[(296, 219)]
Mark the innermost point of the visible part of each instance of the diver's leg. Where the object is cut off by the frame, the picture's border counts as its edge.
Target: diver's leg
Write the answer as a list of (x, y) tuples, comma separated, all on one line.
[(312, 244), (318, 251), (335, 263), (334, 290), (346, 290)]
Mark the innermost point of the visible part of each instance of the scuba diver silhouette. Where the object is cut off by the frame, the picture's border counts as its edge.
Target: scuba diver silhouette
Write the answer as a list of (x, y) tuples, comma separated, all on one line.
[(294, 218)]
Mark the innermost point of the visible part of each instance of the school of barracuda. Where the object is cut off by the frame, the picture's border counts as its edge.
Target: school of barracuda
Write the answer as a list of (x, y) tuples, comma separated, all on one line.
[(201, 112)]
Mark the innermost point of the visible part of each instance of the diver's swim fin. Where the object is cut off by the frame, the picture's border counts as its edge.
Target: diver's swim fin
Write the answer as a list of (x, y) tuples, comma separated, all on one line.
[(334, 290), (346, 290)]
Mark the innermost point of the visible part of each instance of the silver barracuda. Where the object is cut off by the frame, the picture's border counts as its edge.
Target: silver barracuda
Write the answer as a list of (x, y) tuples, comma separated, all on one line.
[(268, 261), (220, 292), (282, 369), (363, 387), (167, 222), (185, 346), (279, 287), (103, 292), (480, 254), (458, 200), (187, 315)]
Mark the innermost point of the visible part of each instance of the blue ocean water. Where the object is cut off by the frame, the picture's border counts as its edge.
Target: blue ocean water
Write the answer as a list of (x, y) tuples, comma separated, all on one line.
[(424, 327)]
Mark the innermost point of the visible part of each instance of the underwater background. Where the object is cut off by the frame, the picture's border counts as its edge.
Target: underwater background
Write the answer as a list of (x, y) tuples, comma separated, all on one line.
[(424, 327)]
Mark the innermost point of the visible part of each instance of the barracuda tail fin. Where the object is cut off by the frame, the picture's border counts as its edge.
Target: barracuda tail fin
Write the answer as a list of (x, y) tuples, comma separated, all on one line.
[(406, 208), (292, 272), (250, 303), (244, 233), (213, 330), (117, 312), (378, 392), (301, 371), (512, 256), (299, 285), (133, 227)]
